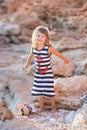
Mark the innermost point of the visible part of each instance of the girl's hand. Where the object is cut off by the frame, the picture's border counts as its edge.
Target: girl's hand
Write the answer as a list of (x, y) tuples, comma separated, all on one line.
[(25, 68)]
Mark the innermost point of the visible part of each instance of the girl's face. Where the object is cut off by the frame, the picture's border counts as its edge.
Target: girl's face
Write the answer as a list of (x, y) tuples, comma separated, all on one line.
[(40, 38)]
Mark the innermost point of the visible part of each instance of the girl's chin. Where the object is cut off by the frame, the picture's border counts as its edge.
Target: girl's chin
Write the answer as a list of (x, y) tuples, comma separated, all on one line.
[(40, 43)]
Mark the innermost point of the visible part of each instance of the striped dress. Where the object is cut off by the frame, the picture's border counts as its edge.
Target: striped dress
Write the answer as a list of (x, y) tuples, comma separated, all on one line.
[(43, 78)]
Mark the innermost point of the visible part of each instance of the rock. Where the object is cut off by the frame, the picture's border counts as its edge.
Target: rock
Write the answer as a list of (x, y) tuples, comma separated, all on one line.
[(69, 90), (8, 28), (61, 68), (69, 43), (70, 116), (80, 120)]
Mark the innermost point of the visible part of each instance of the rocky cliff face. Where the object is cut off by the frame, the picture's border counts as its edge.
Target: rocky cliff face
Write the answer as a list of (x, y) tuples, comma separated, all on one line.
[(67, 21), (64, 17)]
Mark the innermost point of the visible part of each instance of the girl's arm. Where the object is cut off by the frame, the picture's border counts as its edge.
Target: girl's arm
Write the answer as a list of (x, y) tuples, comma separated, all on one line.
[(55, 52), (29, 60)]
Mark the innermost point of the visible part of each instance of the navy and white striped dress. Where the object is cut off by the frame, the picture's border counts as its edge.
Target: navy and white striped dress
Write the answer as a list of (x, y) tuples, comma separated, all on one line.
[(43, 78)]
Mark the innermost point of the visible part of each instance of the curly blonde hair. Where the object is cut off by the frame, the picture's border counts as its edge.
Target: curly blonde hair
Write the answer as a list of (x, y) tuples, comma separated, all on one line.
[(41, 29)]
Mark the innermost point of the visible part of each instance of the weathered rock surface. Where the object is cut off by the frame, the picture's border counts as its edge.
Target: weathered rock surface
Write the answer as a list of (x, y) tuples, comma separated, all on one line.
[(80, 120), (67, 21)]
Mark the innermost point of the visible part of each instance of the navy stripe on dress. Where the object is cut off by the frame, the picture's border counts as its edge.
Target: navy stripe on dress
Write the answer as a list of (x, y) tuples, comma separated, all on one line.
[(43, 77)]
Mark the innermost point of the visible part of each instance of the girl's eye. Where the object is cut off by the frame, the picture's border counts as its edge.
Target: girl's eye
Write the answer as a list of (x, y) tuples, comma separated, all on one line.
[(38, 35), (41, 35)]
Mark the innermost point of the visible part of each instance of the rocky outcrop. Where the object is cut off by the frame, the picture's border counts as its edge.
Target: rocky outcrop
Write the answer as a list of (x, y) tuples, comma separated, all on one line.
[(67, 21), (69, 90), (71, 17), (80, 120)]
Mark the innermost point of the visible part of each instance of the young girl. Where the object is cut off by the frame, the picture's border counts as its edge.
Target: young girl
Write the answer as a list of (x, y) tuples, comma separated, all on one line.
[(43, 78)]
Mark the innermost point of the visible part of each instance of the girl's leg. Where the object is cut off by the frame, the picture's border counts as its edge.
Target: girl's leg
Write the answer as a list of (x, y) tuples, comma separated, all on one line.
[(53, 104), (41, 102)]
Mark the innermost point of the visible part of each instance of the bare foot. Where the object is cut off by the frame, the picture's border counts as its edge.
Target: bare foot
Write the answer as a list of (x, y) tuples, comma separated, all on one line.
[(40, 111)]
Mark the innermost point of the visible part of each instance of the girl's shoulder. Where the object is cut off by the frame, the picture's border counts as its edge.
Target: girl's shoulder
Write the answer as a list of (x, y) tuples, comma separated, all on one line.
[(48, 46), (49, 49)]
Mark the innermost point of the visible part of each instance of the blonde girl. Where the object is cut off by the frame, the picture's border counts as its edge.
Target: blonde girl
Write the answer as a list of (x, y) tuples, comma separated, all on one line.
[(43, 77)]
